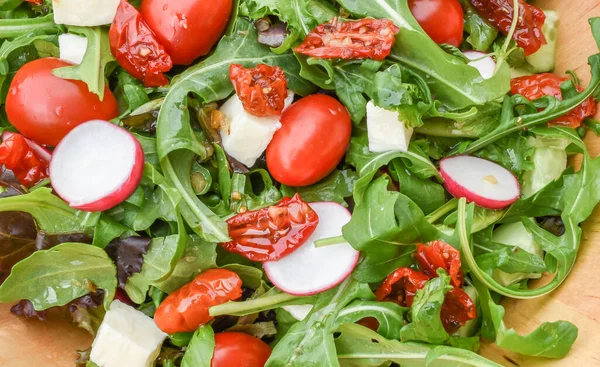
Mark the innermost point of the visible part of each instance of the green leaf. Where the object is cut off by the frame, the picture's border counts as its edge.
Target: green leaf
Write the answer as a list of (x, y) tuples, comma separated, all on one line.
[(427, 194), (10, 28), (92, 68), (272, 299), (512, 152), (55, 277), (390, 316), (481, 34), (200, 351), (335, 187)]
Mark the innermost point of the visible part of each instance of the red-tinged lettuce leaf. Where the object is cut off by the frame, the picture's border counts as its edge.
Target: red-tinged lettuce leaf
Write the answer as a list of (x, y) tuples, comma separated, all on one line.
[(11, 185), (128, 255), (45, 240), (17, 240)]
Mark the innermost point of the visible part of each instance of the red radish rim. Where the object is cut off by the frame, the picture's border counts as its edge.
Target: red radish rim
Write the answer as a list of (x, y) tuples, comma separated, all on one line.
[(119, 195), (459, 190), (39, 150)]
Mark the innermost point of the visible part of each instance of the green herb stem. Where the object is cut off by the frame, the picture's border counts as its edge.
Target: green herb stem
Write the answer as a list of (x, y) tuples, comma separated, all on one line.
[(230, 308), (441, 211), (324, 242)]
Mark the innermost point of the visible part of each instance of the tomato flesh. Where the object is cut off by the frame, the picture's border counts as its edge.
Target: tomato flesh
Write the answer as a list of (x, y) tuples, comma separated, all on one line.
[(44, 107), (233, 349), (262, 89), (187, 29), (442, 20), (312, 141), (439, 254)]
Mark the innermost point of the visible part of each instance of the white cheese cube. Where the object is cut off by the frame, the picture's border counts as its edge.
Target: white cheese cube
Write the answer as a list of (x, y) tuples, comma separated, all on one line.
[(299, 312), (85, 13), (126, 337), (245, 137), (386, 132), (72, 47)]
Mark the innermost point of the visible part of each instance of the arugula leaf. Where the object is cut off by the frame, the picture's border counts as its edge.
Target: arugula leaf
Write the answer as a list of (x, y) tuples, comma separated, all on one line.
[(55, 277), (335, 187), (390, 316), (251, 200), (427, 194), (200, 351), (471, 126), (97, 56), (17, 240), (481, 34), (10, 28), (274, 298), (512, 152)]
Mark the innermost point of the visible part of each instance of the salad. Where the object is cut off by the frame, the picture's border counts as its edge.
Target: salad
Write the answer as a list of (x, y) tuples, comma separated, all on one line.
[(291, 183)]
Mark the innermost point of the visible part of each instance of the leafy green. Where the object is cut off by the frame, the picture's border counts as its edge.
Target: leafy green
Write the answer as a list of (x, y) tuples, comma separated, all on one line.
[(274, 298), (512, 152), (335, 187), (10, 28), (200, 351), (389, 315), (481, 34), (55, 277), (427, 194)]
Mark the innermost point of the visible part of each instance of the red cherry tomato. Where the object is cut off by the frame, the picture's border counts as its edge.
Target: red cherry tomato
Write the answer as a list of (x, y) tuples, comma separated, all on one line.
[(312, 141), (271, 233), (188, 307), (442, 20), (44, 107), (262, 89), (439, 254), (401, 286), (352, 39), (536, 86), (233, 349), (187, 28), (16, 155), (457, 309)]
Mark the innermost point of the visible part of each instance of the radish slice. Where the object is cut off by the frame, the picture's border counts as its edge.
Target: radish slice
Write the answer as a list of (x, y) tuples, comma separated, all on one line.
[(39, 150), (299, 312), (484, 64), (310, 270), (485, 183), (97, 166)]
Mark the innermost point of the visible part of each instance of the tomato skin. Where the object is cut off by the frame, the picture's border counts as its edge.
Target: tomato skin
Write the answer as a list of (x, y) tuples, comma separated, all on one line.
[(439, 254), (457, 309), (401, 286), (312, 141), (262, 89), (17, 156), (233, 349), (442, 20), (188, 307), (187, 29), (44, 107)]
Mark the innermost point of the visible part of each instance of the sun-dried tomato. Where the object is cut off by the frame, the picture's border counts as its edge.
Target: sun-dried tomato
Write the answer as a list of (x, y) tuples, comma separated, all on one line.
[(353, 39), (136, 48), (271, 233), (439, 254), (401, 286), (262, 89), (536, 86), (17, 156), (457, 309), (528, 33)]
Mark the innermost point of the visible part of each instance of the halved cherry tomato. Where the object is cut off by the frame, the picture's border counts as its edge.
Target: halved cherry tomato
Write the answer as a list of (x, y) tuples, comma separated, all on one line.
[(439, 254), (187, 28), (17, 156), (528, 33), (352, 39), (262, 89), (233, 349), (457, 309), (442, 20), (401, 286), (312, 141), (536, 86), (44, 107), (188, 307), (271, 233), (136, 49)]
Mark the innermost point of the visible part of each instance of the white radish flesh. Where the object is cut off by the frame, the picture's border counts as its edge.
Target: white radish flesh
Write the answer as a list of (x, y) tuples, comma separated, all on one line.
[(309, 269), (483, 63), (39, 150), (97, 166), (485, 183)]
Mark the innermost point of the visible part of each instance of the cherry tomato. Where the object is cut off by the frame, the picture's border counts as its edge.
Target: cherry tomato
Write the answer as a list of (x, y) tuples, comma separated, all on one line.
[(457, 309), (188, 307), (44, 107), (313, 138), (136, 49), (187, 28), (528, 33), (442, 20), (262, 89), (233, 349), (401, 286), (17, 156), (271, 233), (536, 86), (440, 255), (352, 39)]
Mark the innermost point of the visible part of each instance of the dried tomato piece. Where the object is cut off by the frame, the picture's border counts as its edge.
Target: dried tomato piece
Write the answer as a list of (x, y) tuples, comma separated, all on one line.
[(528, 33), (262, 89), (136, 48), (536, 86), (439, 254), (401, 286), (271, 233), (17, 156), (457, 309), (352, 39)]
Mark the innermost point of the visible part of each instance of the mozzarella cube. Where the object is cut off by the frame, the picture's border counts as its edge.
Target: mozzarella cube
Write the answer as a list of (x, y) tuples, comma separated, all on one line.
[(72, 47), (126, 337), (85, 13), (299, 312), (386, 132), (245, 137)]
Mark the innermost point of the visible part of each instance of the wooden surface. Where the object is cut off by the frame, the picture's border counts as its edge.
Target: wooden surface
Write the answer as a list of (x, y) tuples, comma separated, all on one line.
[(31, 343)]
